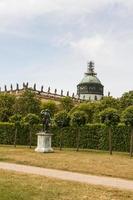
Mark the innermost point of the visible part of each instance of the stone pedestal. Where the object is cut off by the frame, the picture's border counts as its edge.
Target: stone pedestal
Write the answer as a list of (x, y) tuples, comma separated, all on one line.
[(44, 142)]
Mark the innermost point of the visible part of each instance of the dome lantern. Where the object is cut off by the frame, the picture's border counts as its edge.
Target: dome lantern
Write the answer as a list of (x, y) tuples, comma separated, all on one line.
[(90, 69), (90, 87)]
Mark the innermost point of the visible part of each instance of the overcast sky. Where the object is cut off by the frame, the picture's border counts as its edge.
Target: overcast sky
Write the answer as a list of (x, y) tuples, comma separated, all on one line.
[(49, 42)]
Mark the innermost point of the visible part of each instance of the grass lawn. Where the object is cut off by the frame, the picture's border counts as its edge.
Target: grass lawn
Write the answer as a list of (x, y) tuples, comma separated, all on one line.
[(16, 186), (89, 162)]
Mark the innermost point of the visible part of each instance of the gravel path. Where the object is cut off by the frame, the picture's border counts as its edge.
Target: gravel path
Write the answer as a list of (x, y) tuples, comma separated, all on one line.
[(70, 176)]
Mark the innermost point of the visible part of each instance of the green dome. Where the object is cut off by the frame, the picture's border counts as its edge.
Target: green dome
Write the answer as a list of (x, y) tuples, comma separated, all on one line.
[(90, 79)]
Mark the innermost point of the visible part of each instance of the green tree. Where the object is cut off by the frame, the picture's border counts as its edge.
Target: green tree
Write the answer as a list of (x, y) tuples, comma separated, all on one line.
[(67, 103), (62, 119), (127, 118), (88, 108), (109, 102), (16, 119), (78, 119), (27, 103), (110, 117), (7, 102), (126, 100), (32, 120), (104, 103)]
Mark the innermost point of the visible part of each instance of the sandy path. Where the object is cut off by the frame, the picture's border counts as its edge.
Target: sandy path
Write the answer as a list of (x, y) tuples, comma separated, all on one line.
[(70, 176)]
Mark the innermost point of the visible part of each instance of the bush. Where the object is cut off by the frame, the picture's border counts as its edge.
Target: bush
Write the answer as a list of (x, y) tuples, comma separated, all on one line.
[(93, 136), (89, 137), (7, 131)]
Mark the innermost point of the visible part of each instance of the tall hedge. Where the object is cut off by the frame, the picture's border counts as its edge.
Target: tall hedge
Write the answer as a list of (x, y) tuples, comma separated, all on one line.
[(93, 136), (7, 131), (89, 136)]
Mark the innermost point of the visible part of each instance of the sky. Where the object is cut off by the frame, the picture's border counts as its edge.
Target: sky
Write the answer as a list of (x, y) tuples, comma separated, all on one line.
[(49, 42)]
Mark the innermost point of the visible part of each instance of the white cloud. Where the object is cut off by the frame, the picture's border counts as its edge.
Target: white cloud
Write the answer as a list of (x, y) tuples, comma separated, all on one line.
[(88, 46), (18, 12), (38, 7), (32, 8)]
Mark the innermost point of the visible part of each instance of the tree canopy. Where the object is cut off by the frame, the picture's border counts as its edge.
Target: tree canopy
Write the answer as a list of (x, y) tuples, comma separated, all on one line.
[(7, 102), (127, 116), (62, 119), (67, 103), (79, 118), (109, 116), (27, 103)]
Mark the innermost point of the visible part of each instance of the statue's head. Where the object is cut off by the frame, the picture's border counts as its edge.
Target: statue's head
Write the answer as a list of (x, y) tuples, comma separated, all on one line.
[(45, 113), (47, 110)]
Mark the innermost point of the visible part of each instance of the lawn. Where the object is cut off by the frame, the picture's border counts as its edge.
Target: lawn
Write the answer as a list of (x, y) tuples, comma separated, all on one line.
[(88, 162), (16, 186)]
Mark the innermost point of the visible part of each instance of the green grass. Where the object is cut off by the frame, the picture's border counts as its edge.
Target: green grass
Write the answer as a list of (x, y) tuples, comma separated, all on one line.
[(88, 162), (16, 186)]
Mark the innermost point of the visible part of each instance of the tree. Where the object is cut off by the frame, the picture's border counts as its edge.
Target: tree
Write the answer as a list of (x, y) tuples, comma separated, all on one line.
[(51, 106), (109, 102), (110, 117), (16, 119), (104, 103), (88, 108), (126, 100), (62, 119), (32, 120), (78, 119), (127, 118), (67, 103), (27, 103), (7, 102)]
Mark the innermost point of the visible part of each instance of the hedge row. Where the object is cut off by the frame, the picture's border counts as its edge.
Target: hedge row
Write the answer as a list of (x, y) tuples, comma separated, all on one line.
[(92, 136), (7, 131)]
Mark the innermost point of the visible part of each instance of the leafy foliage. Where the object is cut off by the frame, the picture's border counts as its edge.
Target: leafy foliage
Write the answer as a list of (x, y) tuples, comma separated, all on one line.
[(7, 102), (109, 116), (127, 116), (31, 119), (93, 136), (62, 119), (88, 108), (126, 100), (16, 119), (78, 118), (67, 103), (109, 102), (27, 103)]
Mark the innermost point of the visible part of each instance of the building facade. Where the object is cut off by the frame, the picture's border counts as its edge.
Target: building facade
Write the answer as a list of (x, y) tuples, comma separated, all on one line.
[(90, 87)]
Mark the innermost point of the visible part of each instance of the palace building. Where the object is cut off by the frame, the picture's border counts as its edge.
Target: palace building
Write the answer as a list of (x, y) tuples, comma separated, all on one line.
[(90, 87)]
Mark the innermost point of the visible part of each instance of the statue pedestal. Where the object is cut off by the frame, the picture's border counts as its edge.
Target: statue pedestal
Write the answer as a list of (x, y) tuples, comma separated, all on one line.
[(44, 142)]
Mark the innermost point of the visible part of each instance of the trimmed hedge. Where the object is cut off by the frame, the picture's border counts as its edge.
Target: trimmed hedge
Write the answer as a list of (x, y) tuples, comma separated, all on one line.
[(92, 136), (7, 131)]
